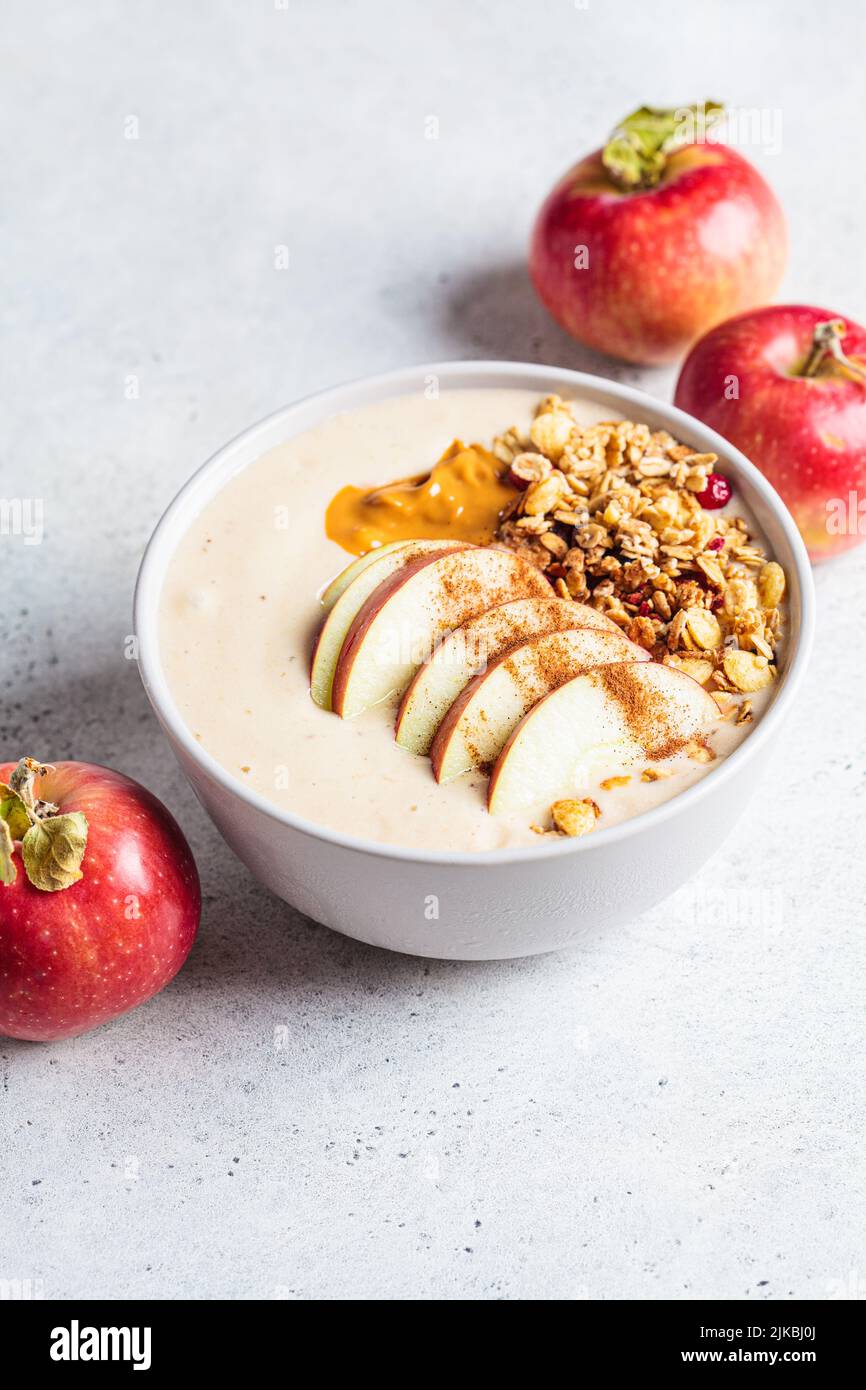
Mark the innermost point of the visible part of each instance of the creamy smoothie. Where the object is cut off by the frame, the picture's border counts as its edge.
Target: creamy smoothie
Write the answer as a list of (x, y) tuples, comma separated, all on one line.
[(240, 610)]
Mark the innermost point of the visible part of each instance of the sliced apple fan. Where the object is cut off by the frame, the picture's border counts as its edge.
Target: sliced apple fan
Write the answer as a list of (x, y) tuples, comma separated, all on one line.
[(495, 672)]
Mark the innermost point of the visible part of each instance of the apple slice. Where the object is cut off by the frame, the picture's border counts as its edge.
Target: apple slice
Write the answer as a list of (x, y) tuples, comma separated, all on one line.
[(608, 718), (471, 648), (349, 603), (404, 618), (478, 724), (342, 581)]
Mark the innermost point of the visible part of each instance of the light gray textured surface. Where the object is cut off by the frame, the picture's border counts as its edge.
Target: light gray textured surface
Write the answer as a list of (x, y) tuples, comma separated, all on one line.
[(676, 1110)]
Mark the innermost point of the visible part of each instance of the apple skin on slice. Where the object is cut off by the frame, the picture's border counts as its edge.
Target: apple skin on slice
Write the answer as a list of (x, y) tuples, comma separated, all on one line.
[(342, 581), (479, 723), (613, 716), (367, 578), (470, 649), (406, 616)]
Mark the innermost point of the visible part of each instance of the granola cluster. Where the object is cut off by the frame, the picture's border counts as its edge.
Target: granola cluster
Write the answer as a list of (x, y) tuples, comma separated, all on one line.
[(611, 512)]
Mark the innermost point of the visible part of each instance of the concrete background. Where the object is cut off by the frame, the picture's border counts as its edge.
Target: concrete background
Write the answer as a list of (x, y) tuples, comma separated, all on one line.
[(674, 1111)]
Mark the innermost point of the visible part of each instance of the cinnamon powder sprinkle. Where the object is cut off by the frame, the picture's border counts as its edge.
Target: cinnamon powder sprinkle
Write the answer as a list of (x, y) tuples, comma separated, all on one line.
[(463, 596), (646, 711)]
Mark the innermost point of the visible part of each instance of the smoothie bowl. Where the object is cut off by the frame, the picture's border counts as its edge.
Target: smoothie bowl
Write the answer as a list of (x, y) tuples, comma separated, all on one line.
[(467, 658)]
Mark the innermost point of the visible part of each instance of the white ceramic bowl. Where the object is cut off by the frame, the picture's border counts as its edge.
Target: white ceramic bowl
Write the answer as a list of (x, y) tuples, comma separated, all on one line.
[(509, 902)]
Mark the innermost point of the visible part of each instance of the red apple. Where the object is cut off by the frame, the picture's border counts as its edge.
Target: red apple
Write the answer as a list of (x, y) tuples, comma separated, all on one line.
[(72, 957), (787, 386), (644, 245)]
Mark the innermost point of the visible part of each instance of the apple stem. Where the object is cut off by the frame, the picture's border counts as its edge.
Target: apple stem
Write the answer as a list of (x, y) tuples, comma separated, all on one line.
[(22, 782), (827, 342)]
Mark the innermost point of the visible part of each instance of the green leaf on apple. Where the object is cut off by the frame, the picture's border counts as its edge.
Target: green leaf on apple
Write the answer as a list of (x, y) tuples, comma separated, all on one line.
[(626, 164), (636, 154), (649, 130), (8, 872), (13, 812), (53, 849)]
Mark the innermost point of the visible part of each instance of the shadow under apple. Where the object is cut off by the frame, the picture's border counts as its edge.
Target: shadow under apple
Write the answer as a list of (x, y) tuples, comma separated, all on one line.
[(495, 313), (251, 947)]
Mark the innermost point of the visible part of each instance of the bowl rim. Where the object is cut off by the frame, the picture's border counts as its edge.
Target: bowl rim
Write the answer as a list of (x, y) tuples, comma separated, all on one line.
[(489, 374)]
